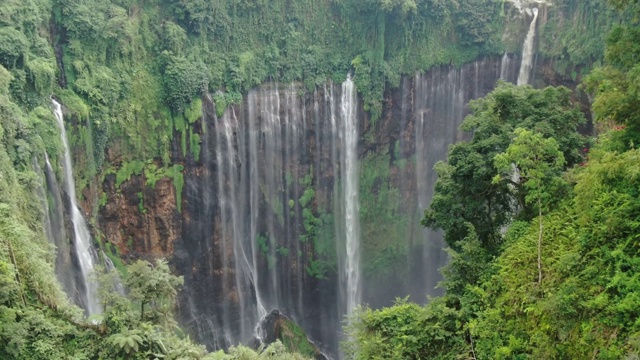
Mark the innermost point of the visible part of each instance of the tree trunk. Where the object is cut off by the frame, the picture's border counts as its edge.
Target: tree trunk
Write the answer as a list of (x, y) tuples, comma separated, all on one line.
[(539, 241)]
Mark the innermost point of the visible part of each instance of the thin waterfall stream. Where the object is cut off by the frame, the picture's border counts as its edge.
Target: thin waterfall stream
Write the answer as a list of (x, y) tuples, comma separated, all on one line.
[(527, 51), (82, 238), (349, 134)]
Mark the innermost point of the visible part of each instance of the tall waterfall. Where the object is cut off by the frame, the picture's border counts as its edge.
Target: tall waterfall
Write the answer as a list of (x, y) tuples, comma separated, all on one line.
[(349, 134), (275, 208), (242, 303), (82, 240), (57, 234), (527, 51), (256, 155)]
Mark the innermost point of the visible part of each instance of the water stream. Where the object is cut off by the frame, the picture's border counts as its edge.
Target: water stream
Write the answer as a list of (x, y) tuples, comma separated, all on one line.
[(528, 51), (82, 239), (349, 134), (274, 220)]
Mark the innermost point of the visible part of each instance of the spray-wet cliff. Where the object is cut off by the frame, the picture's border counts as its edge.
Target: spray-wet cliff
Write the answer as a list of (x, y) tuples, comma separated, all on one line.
[(283, 210)]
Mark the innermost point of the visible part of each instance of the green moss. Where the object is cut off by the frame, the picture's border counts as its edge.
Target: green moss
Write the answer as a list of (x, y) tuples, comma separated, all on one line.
[(384, 226), (307, 197), (324, 258), (175, 173), (127, 169), (113, 254), (74, 103), (220, 102), (193, 112), (103, 200), (141, 207), (263, 244), (295, 340), (194, 144), (283, 251), (152, 174), (581, 39)]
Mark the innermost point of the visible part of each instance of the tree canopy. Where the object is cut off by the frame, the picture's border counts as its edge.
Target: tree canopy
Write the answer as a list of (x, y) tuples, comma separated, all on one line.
[(527, 176), (466, 196)]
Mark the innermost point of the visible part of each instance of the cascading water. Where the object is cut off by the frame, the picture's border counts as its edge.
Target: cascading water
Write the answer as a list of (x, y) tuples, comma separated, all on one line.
[(82, 240), (527, 51), (240, 290), (431, 108), (505, 66), (56, 233), (349, 134), (255, 155), (281, 180)]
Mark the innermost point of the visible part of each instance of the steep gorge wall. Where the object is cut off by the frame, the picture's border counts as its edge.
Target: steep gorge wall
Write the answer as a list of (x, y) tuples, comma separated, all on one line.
[(260, 224)]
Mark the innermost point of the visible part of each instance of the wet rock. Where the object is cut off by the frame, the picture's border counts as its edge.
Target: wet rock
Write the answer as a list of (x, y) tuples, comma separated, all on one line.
[(277, 326)]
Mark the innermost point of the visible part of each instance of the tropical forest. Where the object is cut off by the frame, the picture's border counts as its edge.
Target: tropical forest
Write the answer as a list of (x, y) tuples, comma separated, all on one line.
[(319, 179)]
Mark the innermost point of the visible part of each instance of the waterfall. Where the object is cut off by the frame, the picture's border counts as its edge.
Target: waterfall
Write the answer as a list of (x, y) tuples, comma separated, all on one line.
[(527, 51), (252, 244), (349, 134), (109, 267), (504, 66), (243, 305), (271, 128), (82, 240), (56, 233)]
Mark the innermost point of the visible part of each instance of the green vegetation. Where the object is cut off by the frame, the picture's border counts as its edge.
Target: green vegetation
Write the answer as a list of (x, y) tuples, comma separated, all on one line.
[(294, 338), (138, 68), (127, 169), (384, 227), (318, 230), (543, 265), (131, 73), (39, 325), (324, 246), (275, 351), (175, 173), (577, 43)]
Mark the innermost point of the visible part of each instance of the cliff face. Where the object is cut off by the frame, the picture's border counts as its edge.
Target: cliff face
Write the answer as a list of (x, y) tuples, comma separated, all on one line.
[(262, 223), (139, 219)]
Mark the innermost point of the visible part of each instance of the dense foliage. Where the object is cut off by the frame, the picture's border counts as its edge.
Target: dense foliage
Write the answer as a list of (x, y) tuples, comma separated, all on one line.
[(130, 73), (127, 69), (137, 326), (543, 231)]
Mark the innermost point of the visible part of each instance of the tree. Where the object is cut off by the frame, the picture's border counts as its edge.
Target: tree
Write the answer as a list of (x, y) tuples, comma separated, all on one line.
[(465, 195), (405, 331), (183, 80), (153, 285), (127, 341), (536, 163)]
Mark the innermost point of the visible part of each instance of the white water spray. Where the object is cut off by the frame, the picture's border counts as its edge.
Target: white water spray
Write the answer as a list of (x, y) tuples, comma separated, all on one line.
[(243, 282), (350, 186), (85, 253), (504, 66), (527, 51)]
